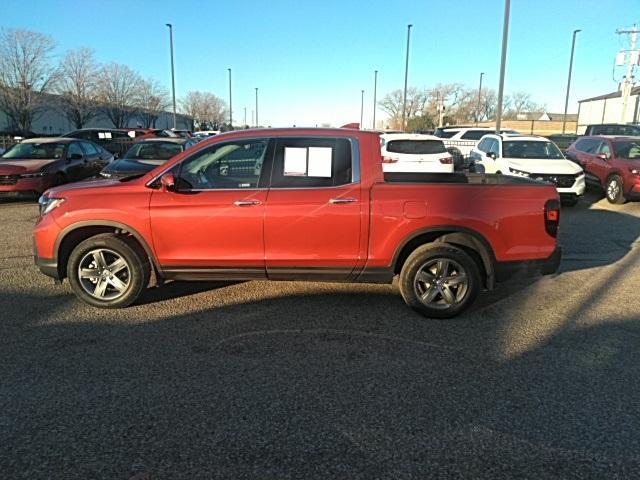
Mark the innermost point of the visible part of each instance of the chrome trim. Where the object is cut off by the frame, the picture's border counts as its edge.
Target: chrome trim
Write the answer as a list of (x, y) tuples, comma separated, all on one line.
[(342, 200), (247, 203)]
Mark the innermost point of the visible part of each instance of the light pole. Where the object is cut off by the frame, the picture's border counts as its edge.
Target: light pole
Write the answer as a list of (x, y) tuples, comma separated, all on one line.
[(566, 98), (361, 107), (375, 91), (173, 77), (245, 117), (406, 78), (479, 94), (503, 62), (257, 122), (230, 105)]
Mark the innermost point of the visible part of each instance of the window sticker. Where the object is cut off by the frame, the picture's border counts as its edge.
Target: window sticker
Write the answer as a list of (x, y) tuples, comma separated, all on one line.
[(295, 161), (319, 162)]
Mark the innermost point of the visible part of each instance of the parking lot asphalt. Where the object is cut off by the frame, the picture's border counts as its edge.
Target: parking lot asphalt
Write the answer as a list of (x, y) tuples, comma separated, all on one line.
[(309, 380)]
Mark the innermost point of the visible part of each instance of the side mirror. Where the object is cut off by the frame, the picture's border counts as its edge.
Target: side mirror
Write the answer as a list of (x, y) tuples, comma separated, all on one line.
[(603, 156), (491, 155), (168, 182)]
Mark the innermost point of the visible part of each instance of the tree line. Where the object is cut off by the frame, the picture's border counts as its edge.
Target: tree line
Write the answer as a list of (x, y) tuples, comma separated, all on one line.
[(82, 89), (457, 103)]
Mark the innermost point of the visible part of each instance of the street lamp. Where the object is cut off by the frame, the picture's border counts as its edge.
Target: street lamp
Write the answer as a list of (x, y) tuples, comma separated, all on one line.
[(361, 107), (257, 123), (566, 99), (230, 105), (173, 78), (503, 63), (406, 77), (245, 117), (479, 94), (375, 91)]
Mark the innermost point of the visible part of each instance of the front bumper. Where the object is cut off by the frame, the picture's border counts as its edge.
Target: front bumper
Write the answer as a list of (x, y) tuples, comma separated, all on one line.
[(528, 268), (26, 186), (48, 266)]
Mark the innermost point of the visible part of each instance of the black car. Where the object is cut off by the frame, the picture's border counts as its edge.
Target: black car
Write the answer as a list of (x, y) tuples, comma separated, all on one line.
[(117, 141), (146, 155)]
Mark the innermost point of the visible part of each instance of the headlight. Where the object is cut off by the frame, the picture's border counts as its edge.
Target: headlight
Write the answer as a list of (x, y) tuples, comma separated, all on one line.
[(519, 172), (47, 204), (33, 175)]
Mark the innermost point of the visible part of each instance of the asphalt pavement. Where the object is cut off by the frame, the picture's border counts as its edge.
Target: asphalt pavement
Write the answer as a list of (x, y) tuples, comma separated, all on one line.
[(298, 380)]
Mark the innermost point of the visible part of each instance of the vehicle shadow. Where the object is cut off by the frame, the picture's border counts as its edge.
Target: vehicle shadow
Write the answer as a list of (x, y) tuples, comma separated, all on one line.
[(178, 289)]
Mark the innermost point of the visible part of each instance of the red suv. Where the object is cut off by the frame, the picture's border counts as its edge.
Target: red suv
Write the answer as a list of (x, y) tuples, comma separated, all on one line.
[(610, 162)]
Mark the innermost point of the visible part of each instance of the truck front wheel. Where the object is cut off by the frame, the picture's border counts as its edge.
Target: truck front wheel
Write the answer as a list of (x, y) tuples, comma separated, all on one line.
[(439, 280)]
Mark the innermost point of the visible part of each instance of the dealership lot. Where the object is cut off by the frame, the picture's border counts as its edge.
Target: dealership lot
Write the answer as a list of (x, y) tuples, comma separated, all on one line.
[(264, 379)]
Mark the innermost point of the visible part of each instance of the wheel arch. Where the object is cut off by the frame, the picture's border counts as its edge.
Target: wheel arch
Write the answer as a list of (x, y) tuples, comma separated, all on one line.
[(78, 232), (470, 241)]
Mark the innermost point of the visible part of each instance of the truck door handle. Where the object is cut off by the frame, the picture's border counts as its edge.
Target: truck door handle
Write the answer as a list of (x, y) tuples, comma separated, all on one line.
[(246, 203), (343, 200)]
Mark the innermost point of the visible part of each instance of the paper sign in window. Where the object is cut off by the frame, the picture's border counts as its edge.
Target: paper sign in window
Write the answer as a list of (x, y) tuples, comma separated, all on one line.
[(319, 162), (295, 161)]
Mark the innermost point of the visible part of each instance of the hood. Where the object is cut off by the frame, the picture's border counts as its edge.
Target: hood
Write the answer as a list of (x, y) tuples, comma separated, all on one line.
[(88, 184), (130, 166), (12, 166), (544, 165)]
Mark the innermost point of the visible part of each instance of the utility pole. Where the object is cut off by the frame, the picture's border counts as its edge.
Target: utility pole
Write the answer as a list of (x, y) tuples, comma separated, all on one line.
[(503, 63), (257, 123), (173, 77), (230, 106), (375, 91), (361, 108), (627, 85), (566, 99), (406, 78), (479, 95)]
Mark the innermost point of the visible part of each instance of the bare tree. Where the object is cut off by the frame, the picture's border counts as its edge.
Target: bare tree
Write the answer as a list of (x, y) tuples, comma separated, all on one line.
[(117, 89), (207, 109), (26, 74), (153, 99), (77, 86), (519, 102), (392, 103)]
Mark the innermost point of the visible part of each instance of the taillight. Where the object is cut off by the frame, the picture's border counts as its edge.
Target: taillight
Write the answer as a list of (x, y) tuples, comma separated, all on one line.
[(446, 160), (389, 160), (552, 217)]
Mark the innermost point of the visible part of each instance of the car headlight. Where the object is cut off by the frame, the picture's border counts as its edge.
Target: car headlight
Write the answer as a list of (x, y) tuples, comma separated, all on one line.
[(47, 204), (33, 175), (519, 172)]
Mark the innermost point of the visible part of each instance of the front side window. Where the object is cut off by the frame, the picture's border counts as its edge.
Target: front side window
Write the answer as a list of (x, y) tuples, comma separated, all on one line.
[(312, 162), (416, 147), (483, 144), (231, 165), (494, 147), (74, 149), (587, 145), (445, 133), (534, 149), (89, 148), (474, 134)]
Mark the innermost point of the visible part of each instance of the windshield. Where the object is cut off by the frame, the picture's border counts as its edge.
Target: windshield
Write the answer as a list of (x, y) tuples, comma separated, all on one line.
[(629, 149), (533, 149), (35, 151), (153, 151), (415, 147)]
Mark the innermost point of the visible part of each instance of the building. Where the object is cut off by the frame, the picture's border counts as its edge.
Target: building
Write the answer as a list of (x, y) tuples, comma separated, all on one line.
[(608, 109)]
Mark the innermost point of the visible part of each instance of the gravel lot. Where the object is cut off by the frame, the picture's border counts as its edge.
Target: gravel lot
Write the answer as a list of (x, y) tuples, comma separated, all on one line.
[(309, 380)]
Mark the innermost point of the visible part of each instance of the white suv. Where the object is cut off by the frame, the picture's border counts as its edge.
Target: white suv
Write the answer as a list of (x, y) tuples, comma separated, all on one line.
[(461, 140), (529, 156), (412, 152)]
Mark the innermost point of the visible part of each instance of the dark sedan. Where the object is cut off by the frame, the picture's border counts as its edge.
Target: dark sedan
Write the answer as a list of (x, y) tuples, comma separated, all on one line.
[(146, 155), (34, 165)]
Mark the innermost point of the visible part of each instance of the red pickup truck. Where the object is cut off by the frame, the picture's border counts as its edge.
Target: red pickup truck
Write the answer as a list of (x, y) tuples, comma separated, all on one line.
[(297, 204)]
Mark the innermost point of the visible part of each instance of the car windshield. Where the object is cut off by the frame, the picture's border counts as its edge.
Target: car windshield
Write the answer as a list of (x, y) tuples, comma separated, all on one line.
[(153, 151), (415, 147), (35, 151), (628, 149), (533, 149)]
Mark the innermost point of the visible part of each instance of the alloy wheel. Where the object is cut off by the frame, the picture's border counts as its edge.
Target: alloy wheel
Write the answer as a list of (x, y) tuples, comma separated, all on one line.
[(104, 274), (441, 283)]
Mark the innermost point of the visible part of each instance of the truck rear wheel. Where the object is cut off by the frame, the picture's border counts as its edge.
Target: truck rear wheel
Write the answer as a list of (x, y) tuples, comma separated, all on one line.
[(106, 272), (439, 280)]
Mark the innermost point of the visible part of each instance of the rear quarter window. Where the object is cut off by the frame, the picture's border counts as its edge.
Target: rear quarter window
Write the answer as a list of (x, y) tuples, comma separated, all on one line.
[(416, 147)]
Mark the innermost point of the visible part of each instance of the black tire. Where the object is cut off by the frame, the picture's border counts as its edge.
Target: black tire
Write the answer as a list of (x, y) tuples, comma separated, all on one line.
[(421, 263), (118, 286), (614, 190)]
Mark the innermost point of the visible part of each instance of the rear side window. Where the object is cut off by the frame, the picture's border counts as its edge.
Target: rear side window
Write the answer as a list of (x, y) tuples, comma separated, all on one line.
[(311, 162), (474, 134), (416, 147), (587, 145), (444, 133)]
